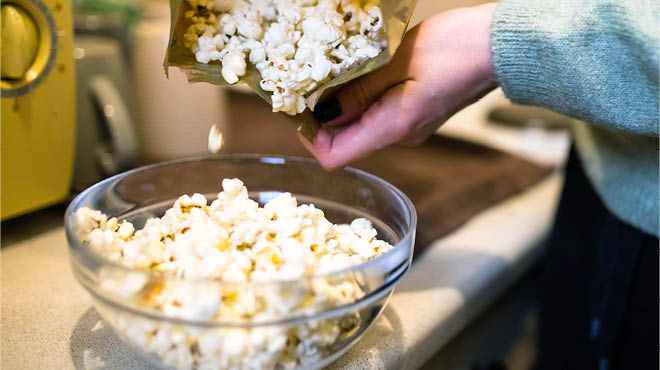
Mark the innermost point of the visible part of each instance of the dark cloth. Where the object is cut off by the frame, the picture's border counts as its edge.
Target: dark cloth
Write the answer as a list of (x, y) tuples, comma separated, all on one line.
[(599, 298), (448, 180), (451, 180)]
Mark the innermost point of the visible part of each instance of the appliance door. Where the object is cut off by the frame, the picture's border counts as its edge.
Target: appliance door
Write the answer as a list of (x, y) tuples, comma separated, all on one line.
[(106, 142)]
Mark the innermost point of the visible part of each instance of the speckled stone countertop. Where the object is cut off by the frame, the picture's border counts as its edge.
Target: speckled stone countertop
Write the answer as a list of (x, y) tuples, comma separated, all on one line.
[(48, 321)]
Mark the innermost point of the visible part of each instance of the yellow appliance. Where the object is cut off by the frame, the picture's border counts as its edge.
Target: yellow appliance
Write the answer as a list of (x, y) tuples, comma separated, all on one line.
[(38, 104)]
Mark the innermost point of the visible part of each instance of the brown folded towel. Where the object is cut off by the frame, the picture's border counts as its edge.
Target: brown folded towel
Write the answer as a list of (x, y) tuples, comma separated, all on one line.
[(448, 180)]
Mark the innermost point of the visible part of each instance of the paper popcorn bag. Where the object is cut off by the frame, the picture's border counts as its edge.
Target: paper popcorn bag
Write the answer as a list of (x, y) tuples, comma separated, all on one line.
[(189, 30)]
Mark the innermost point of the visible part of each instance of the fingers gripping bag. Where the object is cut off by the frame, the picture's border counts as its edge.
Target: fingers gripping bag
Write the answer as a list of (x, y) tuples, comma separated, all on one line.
[(290, 52)]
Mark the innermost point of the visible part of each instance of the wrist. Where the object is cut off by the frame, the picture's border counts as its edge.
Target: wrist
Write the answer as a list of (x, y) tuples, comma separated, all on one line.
[(465, 49), (485, 76)]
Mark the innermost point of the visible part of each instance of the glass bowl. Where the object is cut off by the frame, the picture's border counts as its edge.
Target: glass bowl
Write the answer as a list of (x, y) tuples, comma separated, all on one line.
[(296, 337)]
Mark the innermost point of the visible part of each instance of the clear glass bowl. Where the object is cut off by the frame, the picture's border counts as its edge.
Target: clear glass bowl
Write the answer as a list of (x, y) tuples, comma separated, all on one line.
[(301, 337)]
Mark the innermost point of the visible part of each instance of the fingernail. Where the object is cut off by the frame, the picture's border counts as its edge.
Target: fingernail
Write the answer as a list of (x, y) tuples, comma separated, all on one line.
[(327, 110)]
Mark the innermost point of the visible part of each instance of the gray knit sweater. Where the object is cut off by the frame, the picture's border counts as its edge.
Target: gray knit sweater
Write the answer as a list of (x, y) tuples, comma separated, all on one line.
[(597, 61)]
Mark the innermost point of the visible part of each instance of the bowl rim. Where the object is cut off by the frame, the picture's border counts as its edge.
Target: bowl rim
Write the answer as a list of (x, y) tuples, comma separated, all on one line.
[(76, 245)]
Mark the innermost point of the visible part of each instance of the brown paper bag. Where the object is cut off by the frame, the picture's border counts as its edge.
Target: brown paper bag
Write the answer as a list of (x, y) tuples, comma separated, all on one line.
[(396, 15)]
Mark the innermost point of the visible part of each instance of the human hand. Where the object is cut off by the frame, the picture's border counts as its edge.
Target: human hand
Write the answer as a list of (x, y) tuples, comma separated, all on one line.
[(441, 66)]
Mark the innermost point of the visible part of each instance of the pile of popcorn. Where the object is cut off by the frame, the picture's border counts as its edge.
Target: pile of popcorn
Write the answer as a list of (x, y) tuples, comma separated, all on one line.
[(235, 241), (294, 44)]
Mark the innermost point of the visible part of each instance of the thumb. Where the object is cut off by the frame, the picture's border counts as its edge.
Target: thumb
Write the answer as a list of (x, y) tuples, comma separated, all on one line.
[(393, 118)]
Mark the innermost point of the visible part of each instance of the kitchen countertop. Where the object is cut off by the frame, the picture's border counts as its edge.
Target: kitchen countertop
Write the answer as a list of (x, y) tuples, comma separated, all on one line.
[(48, 321)]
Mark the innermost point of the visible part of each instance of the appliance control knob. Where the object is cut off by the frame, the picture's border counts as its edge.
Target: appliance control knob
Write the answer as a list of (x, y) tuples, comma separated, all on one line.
[(20, 41)]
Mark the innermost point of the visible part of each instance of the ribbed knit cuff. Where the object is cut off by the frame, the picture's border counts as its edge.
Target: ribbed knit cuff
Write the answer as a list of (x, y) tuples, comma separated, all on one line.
[(517, 50)]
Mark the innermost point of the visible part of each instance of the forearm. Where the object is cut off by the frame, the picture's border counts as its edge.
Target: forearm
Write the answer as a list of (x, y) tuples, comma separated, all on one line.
[(592, 60)]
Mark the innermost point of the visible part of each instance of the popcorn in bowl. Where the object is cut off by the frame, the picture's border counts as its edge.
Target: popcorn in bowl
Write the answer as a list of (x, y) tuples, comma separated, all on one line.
[(237, 242), (296, 45)]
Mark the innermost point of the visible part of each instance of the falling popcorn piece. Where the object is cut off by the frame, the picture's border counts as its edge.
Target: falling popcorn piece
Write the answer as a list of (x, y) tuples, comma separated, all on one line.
[(216, 139)]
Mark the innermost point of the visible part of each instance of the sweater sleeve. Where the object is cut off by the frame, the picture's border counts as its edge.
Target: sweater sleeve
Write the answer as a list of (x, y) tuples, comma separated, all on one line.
[(594, 60)]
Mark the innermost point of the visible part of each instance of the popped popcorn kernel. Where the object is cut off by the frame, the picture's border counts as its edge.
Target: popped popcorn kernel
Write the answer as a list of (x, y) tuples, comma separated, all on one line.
[(125, 230), (216, 139)]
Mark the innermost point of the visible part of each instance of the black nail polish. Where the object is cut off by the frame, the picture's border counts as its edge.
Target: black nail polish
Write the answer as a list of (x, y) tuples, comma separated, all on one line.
[(327, 110)]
